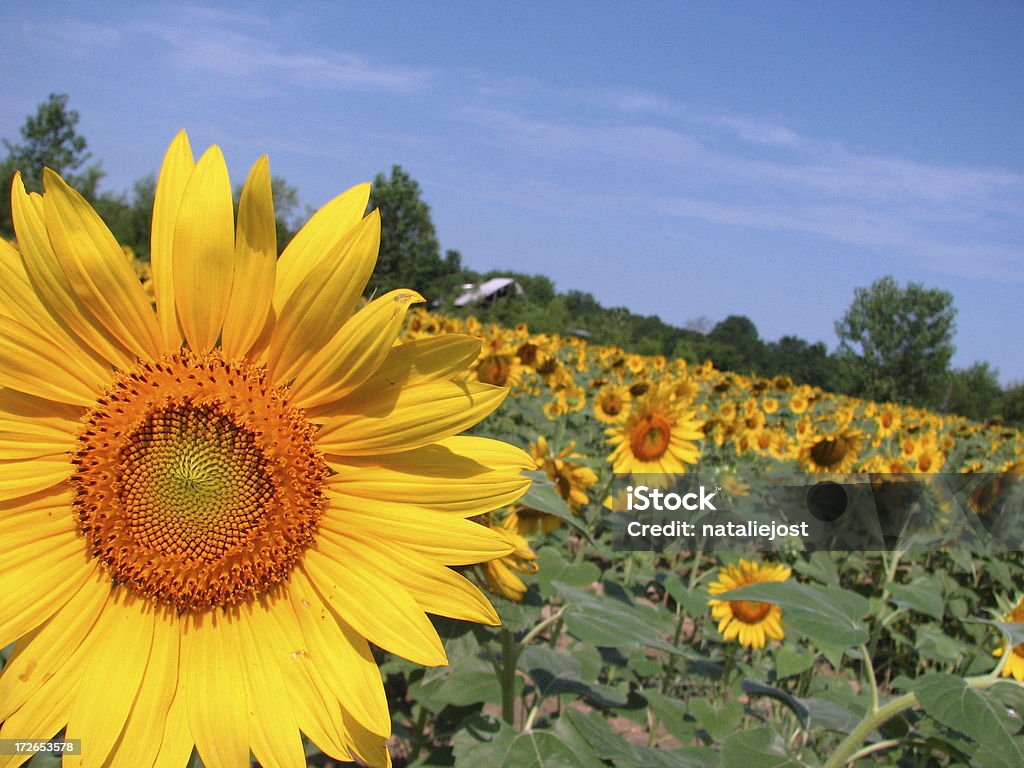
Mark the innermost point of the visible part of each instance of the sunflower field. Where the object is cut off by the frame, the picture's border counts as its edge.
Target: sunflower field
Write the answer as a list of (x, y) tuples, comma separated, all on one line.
[(611, 658), (247, 514)]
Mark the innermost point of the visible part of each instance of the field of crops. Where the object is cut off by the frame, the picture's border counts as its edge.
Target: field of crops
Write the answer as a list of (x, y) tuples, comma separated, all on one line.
[(607, 657)]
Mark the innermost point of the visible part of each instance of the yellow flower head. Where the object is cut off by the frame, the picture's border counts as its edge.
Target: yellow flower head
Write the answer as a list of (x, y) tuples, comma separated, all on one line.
[(747, 621), (658, 436), (1014, 665), (216, 500)]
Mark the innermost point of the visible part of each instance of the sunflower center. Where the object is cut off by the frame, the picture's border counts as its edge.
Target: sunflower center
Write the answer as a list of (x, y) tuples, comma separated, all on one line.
[(612, 405), (750, 611), (197, 484), (829, 452), (494, 369), (649, 437)]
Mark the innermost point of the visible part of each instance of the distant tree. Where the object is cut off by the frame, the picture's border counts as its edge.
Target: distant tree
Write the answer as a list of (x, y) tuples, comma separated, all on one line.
[(739, 333), (803, 362), (410, 256), (896, 343), (49, 140), (972, 392), (1011, 404)]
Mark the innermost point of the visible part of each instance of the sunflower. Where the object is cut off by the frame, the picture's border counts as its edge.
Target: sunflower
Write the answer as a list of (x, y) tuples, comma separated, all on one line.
[(500, 574), (748, 621), (211, 508), (1014, 665), (658, 436), (836, 451)]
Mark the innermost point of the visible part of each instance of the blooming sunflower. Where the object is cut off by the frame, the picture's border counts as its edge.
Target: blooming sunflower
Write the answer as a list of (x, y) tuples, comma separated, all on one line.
[(1014, 665), (500, 574), (210, 509), (658, 436), (748, 621)]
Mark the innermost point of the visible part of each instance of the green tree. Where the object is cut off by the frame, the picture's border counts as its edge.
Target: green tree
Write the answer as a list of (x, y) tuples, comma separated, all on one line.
[(896, 343), (410, 256), (1012, 404), (972, 392), (49, 140)]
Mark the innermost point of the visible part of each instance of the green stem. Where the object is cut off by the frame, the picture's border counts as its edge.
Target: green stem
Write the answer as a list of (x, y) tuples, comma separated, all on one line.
[(541, 626), (869, 671), (849, 746), (509, 656)]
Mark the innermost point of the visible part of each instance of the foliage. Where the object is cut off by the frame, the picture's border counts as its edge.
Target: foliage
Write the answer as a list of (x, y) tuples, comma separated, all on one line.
[(50, 139), (409, 251), (896, 343)]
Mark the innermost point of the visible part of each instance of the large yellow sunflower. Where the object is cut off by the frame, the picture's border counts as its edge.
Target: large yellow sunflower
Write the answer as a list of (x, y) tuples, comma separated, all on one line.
[(210, 510), (750, 622)]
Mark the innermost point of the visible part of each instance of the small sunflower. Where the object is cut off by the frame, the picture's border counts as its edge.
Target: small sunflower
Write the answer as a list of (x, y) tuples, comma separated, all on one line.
[(211, 507), (501, 574), (834, 452), (659, 436), (748, 621), (1014, 665)]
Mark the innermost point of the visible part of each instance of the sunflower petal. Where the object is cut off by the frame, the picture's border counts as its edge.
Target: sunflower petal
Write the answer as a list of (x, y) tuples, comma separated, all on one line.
[(203, 252), (323, 300), (385, 613), (52, 285), (320, 236), (121, 642), (97, 269), (419, 416), (355, 352), (175, 171), (255, 263), (215, 690), (342, 656)]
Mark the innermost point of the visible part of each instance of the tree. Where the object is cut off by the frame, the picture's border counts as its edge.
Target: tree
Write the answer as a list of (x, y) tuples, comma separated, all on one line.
[(49, 140), (972, 392), (410, 256), (740, 333), (896, 343), (1012, 404)]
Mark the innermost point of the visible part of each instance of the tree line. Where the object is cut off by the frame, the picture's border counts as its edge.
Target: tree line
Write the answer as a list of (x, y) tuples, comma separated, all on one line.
[(895, 342)]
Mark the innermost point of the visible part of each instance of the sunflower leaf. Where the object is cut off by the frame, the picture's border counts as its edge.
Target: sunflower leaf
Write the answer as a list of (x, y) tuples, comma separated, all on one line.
[(828, 616), (543, 497)]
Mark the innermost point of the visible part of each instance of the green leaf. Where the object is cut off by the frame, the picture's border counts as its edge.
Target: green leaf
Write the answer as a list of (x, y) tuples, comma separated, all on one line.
[(485, 740), (828, 616), (554, 567), (672, 713), (604, 621), (554, 672), (718, 722), (921, 595), (760, 747), (543, 497), (977, 714), (789, 662)]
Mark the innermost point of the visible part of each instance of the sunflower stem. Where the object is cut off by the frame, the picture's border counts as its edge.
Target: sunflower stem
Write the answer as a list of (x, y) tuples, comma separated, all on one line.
[(848, 748), (869, 672), (509, 656)]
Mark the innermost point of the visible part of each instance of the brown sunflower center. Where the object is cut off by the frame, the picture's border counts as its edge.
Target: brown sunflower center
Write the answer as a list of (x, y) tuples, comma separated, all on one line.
[(829, 451), (649, 437), (494, 369), (750, 611), (197, 484), (612, 405)]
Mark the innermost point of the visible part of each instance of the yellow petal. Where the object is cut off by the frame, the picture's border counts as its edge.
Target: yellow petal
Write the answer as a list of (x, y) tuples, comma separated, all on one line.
[(41, 717), (203, 252), (51, 284), (420, 415), (31, 426), (255, 263), (438, 590), (21, 478), (272, 725), (444, 538), (177, 167), (323, 300), (139, 744), (53, 646), (319, 237), (385, 613), (355, 352), (176, 747), (119, 651), (342, 656), (96, 269), (215, 688)]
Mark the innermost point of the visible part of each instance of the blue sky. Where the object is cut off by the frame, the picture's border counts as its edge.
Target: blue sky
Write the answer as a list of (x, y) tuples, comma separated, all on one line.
[(686, 160)]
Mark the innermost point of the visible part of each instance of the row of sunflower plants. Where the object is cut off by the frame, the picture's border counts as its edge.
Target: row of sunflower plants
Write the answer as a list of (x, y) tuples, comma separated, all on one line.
[(701, 658)]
